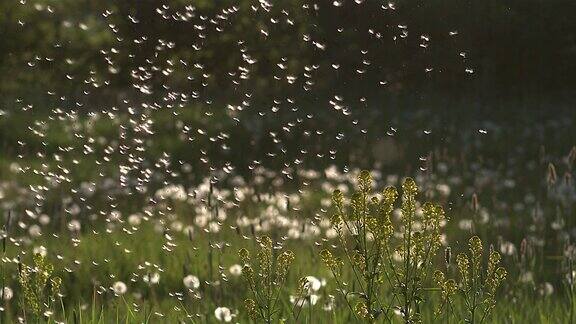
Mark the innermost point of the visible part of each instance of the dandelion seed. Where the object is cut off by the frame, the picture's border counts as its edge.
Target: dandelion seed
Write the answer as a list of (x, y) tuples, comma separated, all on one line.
[(223, 314), (235, 270), (191, 282), (152, 278), (119, 288), (6, 293)]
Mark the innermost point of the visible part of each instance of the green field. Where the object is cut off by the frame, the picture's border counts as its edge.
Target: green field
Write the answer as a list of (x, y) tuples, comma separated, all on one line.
[(287, 161)]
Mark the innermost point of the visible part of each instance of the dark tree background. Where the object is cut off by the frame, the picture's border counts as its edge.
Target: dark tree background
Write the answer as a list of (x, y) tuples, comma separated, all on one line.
[(517, 48), (470, 58)]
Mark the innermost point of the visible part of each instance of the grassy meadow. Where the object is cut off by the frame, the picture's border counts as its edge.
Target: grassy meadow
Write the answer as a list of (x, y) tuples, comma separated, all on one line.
[(172, 255), (287, 161)]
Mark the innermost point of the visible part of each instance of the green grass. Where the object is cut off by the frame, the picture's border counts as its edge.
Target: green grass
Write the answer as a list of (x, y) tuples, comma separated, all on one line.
[(209, 255), (81, 302)]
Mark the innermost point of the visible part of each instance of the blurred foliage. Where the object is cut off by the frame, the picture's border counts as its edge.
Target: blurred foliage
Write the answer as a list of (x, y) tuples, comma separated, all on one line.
[(516, 47)]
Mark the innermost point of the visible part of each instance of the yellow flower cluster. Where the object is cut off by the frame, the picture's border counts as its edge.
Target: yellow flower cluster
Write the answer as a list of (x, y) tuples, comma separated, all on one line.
[(265, 277), (381, 249), (478, 288), (38, 285)]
